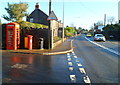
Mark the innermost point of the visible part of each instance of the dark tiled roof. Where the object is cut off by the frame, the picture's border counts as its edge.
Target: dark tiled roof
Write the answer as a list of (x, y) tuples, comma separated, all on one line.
[(39, 17)]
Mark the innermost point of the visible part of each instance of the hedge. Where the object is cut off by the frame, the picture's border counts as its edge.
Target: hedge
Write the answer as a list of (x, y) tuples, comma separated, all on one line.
[(25, 24)]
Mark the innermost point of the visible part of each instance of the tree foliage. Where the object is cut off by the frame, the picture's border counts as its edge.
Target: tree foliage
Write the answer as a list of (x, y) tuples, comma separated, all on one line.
[(70, 31), (16, 12), (99, 23), (0, 22), (112, 27), (111, 19), (28, 25)]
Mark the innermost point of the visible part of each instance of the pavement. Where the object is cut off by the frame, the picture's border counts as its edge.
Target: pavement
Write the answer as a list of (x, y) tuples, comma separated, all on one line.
[(114, 42), (61, 48)]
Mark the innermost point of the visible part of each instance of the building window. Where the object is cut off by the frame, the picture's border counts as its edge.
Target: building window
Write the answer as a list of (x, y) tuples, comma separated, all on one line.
[(31, 19)]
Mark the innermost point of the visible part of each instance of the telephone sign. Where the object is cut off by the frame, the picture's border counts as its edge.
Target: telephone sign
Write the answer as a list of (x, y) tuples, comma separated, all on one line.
[(12, 36)]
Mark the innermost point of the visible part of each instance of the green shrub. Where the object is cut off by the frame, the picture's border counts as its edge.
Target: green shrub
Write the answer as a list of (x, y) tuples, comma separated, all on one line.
[(25, 24)]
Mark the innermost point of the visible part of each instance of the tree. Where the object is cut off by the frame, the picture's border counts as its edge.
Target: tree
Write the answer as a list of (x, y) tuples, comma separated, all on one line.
[(0, 21), (16, 12), (70, 31), (99, 23), (79, 29), (111, 19)]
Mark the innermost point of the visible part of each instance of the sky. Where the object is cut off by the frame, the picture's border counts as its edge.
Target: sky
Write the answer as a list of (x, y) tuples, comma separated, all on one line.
[(78, 13)]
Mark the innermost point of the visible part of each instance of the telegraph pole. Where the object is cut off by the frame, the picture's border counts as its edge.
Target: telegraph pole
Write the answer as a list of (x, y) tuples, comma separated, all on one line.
[(104, 20), (50, 6), (50, 35)]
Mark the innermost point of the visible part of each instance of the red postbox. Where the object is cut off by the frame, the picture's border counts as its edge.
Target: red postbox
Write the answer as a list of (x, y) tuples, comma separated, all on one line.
[(12, 36), (30, 42)]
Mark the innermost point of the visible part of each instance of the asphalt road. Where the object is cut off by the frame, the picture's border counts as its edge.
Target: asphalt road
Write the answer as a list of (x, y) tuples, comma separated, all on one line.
[(100, 63), (27, 68), (88, 63)]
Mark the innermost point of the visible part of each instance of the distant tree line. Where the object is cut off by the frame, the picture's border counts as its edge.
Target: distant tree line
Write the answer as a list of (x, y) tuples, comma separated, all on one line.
[(112, 27), (70, 31)]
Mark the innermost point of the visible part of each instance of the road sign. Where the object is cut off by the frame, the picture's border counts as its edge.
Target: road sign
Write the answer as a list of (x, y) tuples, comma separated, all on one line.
[(52, 16)]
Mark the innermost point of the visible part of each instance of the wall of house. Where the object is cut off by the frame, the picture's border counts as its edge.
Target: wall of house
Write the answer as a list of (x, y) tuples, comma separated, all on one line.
[(54, 25)]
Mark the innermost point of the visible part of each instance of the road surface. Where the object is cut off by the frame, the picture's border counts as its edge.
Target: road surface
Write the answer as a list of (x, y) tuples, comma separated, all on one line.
[(100, 63), (88, 63)]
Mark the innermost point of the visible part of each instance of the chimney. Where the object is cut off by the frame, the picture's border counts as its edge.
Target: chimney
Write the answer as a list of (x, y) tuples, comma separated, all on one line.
[(37, 6)]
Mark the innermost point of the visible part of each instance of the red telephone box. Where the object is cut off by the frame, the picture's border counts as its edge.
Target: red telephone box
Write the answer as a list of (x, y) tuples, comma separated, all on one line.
[(12, 36), (30, 42)]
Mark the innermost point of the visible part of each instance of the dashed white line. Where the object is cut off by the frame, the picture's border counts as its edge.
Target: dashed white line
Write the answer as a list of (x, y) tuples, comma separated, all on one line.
[(75, 56), (87, 79), (117, 53), (70, 63), (71, 68), (69, 59), (73, 78), (82, 70), (68, 56), (79, 64), (72, 51)]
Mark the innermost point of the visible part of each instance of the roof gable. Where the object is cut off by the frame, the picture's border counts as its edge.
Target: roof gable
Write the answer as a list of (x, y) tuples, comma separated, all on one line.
[(38, 12)]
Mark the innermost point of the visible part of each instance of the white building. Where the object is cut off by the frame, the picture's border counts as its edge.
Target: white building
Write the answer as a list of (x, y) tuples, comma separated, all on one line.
[(119, 11)]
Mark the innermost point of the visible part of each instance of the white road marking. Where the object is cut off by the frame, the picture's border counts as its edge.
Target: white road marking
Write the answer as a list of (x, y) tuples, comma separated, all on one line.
[(82, 70), (75, 56), (79, 64), (69, 59), (115, 52), (71, 68), (72, 51), (73, 78), (68, 56), (70, 63), (87, 79), (77, 61)]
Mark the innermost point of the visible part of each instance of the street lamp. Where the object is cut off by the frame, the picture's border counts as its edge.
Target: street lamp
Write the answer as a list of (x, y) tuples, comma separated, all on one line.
[(63, 24)]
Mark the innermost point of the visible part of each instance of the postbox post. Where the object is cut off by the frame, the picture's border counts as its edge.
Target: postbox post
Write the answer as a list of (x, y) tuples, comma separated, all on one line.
[(30, 42)]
